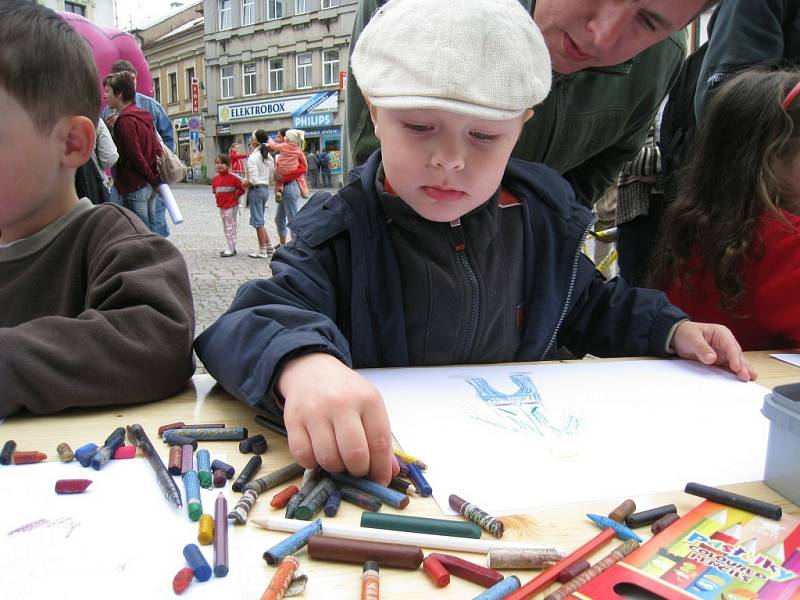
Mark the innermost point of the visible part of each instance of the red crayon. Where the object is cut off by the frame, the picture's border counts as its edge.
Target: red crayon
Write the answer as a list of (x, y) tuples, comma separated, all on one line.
[(124, 452), (72, 486), (436, 571), (468, 570), (28, 457), (281, 499)]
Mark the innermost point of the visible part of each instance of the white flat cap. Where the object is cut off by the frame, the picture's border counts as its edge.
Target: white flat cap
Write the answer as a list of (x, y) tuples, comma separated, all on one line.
[(482, 58)]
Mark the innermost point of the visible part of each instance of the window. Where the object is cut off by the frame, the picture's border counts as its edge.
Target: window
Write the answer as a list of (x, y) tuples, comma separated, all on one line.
[(249, 79), (157, 89), (225, 14), (248, 12), (274, 9), (329, 4), (226, 81), (330, 67), (304, 70), (78, 9), (276, 75), (173, 87), (300, 7), (189, 77)]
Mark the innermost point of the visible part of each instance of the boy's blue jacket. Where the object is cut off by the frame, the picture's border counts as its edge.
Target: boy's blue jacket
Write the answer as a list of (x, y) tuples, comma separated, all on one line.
[(336, 289)]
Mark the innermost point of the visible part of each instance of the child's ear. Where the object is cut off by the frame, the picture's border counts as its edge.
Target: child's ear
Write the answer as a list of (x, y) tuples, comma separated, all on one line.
[(528, 115), (79, 137), (373, 114)]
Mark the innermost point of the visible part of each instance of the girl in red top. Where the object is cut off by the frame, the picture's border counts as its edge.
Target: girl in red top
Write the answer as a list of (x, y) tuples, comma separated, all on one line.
[(227, 188), (730, 244), (237, 161)]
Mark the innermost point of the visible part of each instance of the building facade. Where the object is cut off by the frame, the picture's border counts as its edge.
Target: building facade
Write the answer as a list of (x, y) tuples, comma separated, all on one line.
[(272, 64), (100, 12), (174, 50)]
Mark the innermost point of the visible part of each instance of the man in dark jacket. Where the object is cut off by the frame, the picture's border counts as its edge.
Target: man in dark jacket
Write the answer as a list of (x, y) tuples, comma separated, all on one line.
[(614, 63), (136, 175)]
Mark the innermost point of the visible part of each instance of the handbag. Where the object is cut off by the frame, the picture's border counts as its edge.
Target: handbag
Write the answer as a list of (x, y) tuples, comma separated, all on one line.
[(170, 168)]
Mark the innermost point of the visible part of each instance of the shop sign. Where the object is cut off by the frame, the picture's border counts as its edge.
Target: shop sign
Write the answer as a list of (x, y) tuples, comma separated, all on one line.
[(195, 96), (277, 107), (312, 120)]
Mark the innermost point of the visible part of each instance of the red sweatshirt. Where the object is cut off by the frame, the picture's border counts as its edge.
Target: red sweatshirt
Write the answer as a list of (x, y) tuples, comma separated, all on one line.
[(138, 148), (227, 188), (769, 318)]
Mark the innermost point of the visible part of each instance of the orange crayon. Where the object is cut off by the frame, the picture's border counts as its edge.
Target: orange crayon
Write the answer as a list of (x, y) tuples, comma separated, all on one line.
[(281, 580)]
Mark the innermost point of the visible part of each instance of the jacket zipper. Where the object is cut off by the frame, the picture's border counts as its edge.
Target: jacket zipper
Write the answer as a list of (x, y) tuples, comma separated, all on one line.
[(472, 322), (571, 288)]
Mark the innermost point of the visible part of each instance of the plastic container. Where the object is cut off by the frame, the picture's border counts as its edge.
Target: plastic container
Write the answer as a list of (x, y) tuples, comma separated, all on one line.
[(782, 471)]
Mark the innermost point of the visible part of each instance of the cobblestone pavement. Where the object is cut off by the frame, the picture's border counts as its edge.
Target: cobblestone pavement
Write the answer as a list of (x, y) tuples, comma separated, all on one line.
[(200, 238)]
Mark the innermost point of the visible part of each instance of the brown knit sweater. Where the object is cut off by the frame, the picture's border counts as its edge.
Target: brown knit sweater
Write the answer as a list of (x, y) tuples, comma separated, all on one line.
[(95, 310)]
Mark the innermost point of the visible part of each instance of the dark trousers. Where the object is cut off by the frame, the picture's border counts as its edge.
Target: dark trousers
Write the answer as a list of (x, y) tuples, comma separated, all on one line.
[(636, 240)]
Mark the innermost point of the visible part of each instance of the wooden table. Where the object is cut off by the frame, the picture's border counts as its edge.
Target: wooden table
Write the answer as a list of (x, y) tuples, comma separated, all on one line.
[(203, 401)]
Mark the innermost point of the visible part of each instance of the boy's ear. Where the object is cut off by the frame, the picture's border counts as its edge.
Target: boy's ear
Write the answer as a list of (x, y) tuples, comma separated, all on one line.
[(79, 137), (528, 115), (373, 114)]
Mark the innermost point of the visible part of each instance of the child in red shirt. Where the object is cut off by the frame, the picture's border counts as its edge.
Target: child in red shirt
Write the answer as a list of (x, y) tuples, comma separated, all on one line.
[(236, 158), (227, 188)]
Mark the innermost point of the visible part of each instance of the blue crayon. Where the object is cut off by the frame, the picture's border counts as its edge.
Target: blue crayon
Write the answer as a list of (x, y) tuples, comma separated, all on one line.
[(204, 467), (422, 485), (197, 562), (623, 531), (388, 495), (193, 501), (85, 453), (293, 543), (332, 503), (500, 590), (104, 454)]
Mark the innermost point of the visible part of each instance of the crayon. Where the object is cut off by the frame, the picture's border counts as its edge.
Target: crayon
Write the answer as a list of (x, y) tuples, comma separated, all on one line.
[(650, 516), (468, 570), (436, 571), (500, 590), (385, 494), (483, 519), (198, 562), (205, 529), (370, 581), (394, 522), (8, 450), (65, 453), (753, 505), (281, 579), (293, 543), (352, 551), (220, 536), (246, 474)]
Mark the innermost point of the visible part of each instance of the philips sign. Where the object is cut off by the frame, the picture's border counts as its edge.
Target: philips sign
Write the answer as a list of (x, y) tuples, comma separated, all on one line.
[(314, 120)]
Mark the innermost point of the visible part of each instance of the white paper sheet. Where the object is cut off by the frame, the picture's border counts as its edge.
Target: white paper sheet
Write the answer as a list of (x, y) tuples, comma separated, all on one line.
[(597, 430), (120, 538), (791, 358)]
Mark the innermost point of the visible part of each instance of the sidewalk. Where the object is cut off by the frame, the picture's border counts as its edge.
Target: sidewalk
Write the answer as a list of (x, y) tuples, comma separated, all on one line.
[(200, 238)]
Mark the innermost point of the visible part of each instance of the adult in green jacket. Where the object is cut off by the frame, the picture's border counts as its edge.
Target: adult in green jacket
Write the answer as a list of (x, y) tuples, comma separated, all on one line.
[(614, 62)]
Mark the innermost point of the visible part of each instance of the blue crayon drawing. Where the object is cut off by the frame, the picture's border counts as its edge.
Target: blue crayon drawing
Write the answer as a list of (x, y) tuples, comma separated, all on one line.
[(523, 410)]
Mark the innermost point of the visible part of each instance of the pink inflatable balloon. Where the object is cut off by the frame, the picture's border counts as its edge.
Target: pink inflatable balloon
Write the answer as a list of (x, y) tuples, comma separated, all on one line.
[(110, 45)]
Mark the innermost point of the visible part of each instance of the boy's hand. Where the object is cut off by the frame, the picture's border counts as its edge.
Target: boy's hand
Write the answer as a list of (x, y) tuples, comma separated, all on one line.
[(713, 345), (335, 418)]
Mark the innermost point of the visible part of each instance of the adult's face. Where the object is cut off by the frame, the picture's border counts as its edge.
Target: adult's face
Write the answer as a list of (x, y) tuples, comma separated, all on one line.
[(581, 34)]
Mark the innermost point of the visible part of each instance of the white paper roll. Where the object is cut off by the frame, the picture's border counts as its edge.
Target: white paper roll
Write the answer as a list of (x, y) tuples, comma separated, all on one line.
[(169, 201)]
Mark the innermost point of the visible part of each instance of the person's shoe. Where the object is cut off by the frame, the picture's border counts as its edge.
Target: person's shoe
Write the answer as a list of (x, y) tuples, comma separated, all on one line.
[(227, 253), (278, 197), (258, 254)]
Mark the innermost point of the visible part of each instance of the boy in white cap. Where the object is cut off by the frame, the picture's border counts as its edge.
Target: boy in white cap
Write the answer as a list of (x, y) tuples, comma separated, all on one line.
[(441, 251)]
